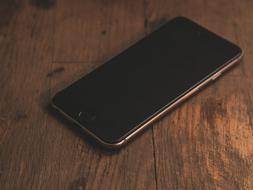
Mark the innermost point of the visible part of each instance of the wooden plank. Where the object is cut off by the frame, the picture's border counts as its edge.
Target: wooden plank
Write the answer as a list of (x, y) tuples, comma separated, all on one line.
[(207, 142), (243, 24), (98, 28), (26, 58)]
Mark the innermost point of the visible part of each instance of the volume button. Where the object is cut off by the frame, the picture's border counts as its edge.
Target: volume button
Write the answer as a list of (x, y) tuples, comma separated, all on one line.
[(216, 75)]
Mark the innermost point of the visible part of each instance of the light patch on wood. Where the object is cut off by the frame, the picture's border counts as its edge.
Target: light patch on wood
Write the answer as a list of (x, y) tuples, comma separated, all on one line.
[(239, 127)]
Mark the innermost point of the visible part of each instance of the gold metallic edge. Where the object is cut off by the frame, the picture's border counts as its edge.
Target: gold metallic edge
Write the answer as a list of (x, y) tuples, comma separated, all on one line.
[(213, 77)]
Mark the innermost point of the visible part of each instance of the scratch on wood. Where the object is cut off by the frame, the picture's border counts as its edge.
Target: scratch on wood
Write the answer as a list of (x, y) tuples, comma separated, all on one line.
[(56, 71), (79, 184), (158, 23), (44, 4), (20, 115), (103, 32)]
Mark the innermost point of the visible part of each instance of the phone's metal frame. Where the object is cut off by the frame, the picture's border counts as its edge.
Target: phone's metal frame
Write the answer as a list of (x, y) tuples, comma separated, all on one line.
[(138, 130)]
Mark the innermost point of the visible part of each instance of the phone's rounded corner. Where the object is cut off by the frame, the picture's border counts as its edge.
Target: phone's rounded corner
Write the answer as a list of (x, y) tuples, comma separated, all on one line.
[(52, 102), (241, 53), (108, 144), (113, 145), (239, 56), (53, 97), (104, 142)]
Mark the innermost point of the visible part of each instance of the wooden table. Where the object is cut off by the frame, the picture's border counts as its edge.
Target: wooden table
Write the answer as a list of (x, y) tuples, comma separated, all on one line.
[(207, 143)]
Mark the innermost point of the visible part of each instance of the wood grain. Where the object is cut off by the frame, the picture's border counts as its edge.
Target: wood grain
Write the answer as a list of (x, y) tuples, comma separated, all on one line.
[(206, 143), (92, 31)]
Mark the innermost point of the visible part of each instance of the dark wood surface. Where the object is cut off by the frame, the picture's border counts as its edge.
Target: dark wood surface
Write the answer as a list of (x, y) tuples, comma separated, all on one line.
[(206, 143)]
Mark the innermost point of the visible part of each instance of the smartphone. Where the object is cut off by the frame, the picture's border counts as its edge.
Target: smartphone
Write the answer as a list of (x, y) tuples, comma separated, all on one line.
[(132, 90)]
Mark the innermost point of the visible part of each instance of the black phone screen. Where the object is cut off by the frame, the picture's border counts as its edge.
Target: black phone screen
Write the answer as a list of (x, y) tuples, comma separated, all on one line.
[(125, 92)]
